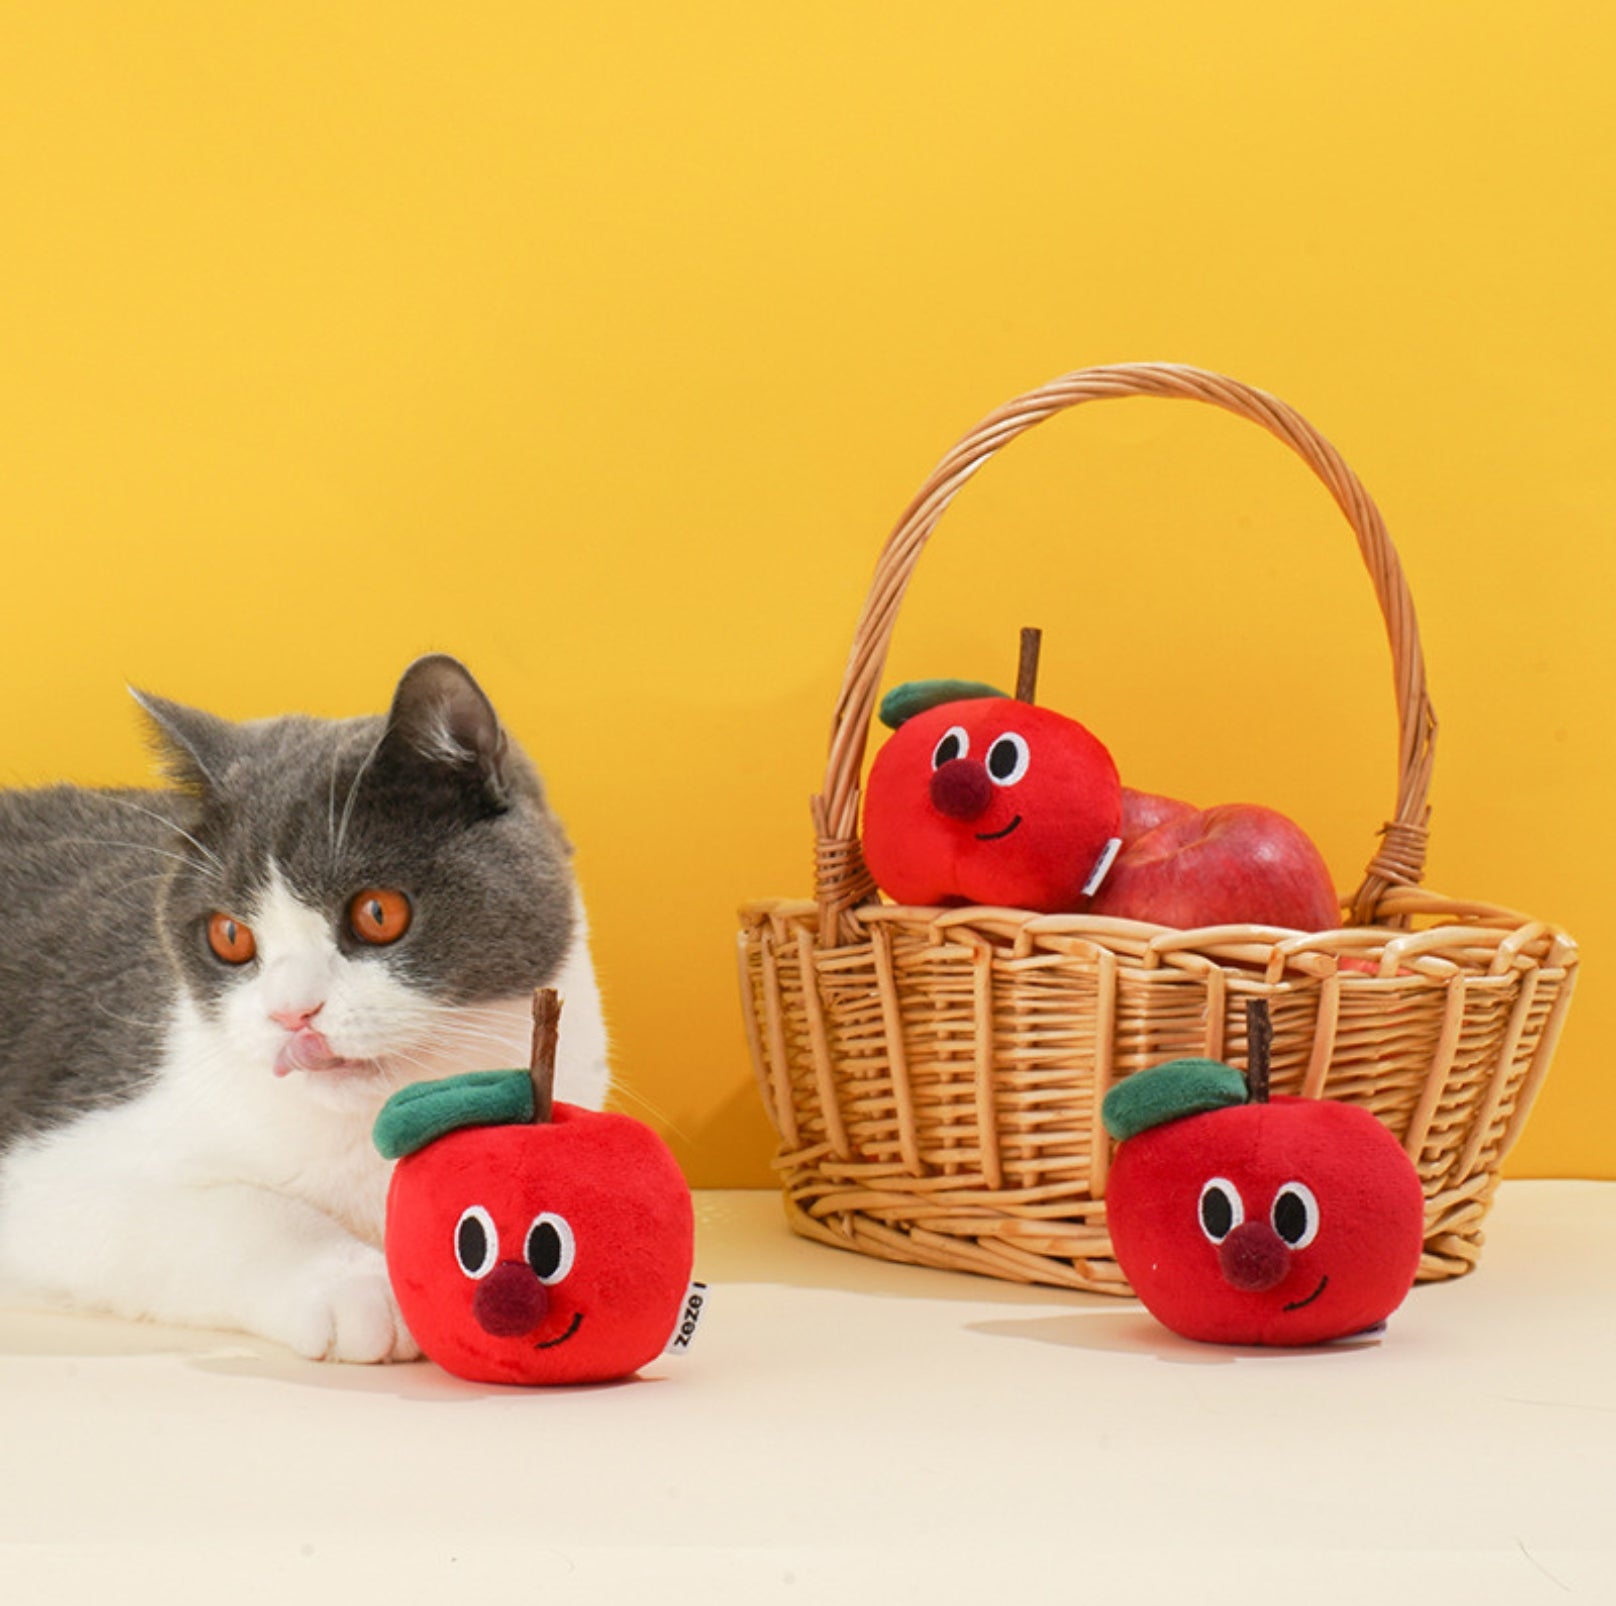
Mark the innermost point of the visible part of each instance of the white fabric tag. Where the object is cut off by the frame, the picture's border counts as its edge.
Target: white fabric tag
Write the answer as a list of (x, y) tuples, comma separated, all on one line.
[(690, 1313), (1102, 865)]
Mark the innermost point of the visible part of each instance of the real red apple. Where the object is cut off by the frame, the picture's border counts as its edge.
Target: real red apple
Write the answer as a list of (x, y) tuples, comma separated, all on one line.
[(1235, 864), (1144, 811)]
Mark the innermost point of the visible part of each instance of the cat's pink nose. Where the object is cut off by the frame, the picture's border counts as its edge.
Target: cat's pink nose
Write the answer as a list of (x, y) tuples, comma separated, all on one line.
[(295, 1017)]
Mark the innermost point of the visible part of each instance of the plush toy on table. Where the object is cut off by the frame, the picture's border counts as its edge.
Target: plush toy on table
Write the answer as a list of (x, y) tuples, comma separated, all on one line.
[(1244, 1219), (987, 799), (530, 1241)]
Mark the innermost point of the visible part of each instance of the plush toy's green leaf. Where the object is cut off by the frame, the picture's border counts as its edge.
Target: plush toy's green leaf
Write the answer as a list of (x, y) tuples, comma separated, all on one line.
[(418, 1114), (1170, 1092), (916, 696)]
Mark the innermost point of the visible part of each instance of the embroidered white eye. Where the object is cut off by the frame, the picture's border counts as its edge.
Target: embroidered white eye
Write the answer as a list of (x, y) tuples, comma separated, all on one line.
[(476, 1242), (550, 1248), (955, 744), (1008, 759), (1296, 1214), (1222, 1209)]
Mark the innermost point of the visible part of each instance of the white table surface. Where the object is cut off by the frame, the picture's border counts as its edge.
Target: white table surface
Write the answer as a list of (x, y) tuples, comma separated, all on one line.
[(851, 1431)]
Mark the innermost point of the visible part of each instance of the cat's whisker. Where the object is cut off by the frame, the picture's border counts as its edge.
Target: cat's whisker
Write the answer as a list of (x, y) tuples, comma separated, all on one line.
[(141, 881), (173, 825), (424, 1066), (621, 1091), (331, 805), (488, 1047), (206, 871), (353, 795), (467, 1030), (126, 1020), (452, 1057), (127, 893)]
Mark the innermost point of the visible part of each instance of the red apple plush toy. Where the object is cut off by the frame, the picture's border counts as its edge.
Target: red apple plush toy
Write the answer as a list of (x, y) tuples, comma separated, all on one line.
[(1240, 1219), (991, 801), (983, 798), (986, 799), (529, 1242)]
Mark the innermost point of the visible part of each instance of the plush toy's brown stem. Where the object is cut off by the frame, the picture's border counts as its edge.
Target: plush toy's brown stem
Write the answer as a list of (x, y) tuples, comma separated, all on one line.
[(1259, 1040), (546, 1033), (1027, 671)]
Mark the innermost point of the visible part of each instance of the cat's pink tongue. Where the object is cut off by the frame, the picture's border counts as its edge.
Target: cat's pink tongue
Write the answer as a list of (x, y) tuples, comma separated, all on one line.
[(307, 1050)]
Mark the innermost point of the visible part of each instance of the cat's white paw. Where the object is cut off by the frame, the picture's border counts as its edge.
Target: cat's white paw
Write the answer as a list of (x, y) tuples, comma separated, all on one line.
[(348, 1313)]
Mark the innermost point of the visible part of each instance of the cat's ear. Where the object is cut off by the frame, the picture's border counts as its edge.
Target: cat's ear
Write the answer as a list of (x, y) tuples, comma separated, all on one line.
[(193, 747), (440, 714)]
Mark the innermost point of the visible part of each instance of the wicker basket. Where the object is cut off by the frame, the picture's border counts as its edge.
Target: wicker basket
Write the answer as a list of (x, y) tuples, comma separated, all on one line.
[(935, 1076)]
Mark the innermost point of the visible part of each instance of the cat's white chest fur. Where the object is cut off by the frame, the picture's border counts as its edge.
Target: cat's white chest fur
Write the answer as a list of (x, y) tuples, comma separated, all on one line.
[(242, 1189)]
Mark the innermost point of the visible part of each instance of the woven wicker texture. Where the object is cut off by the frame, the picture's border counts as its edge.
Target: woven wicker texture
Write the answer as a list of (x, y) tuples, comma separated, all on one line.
[(935, 1077)]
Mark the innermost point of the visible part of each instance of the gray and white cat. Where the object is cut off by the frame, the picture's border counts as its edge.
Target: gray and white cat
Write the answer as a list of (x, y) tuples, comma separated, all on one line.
[(207, 993)]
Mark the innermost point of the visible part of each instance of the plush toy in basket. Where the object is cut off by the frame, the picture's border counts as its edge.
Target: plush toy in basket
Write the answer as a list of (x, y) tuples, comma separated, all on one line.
[(982, 798), (1241, 1219), (529, 1241)]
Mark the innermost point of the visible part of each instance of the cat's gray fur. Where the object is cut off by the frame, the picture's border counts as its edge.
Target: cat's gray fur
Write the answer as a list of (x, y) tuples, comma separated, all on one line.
[(105, 897)]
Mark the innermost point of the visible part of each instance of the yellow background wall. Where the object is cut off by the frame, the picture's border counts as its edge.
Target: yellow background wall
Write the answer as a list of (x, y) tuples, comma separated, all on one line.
[(602, 345)]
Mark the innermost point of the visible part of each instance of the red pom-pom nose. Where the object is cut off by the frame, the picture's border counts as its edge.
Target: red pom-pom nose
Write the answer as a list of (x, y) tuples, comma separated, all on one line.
[(1254, 1257), (510, 1300), (961, 789)]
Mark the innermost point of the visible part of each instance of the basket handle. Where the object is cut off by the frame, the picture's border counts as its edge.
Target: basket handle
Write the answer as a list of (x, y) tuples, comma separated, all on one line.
[(841, 880)]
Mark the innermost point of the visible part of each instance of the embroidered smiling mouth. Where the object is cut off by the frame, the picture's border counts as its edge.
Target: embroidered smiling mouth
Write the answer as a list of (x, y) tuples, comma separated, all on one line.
[(1299, 1304), (550, 1343), (995, 836)]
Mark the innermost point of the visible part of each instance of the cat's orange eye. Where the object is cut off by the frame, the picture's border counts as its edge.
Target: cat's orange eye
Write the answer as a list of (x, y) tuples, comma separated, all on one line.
[(230, 940), (379, 915)]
